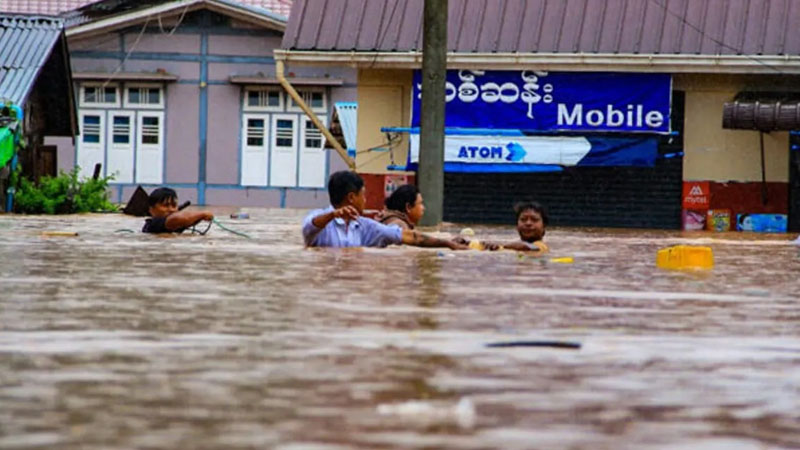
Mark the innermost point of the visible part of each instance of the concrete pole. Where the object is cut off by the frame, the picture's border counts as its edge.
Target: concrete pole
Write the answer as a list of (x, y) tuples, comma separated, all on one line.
[(431, 140)]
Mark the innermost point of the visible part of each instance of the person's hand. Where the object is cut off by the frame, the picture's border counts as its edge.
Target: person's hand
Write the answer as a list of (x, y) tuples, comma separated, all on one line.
[(453, 245), (460, 240), (492, 246), (347, 213)]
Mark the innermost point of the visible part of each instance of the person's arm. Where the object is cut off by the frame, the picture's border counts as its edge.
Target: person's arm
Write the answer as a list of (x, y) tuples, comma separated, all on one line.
[(314, 224), (413, 237), (185, 219), (347, 213), (521, 246)]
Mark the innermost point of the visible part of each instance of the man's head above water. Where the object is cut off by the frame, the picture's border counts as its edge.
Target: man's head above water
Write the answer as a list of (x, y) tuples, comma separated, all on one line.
[(162, 202), (346, 188), (531, 220)]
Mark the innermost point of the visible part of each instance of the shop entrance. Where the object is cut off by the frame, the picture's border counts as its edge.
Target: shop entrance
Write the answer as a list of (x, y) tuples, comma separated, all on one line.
[(628, 197)]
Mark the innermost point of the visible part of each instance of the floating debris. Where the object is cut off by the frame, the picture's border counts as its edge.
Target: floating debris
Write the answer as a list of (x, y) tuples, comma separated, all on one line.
[(429, 414)]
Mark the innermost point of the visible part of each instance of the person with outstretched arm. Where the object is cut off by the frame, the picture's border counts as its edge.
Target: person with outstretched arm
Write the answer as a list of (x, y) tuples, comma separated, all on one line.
[(165, 216), (341, 224), (532, 222)]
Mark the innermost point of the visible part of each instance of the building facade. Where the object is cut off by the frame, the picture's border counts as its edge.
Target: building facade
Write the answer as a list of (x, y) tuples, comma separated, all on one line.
[(35, 79), (713, 53), (183, 94)]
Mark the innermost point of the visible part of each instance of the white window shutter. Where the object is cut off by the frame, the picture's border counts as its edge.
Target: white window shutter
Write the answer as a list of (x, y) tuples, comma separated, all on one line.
[(254, 156), (313, 156), (283, 168)]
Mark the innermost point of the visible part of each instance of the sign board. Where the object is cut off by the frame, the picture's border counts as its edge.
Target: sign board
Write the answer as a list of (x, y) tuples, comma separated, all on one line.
[(554, 101), (561, 150), (696, 195), (521, 153)]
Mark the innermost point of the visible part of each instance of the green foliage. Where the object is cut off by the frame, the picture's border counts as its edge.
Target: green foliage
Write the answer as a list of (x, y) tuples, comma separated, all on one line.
[(64, 194)]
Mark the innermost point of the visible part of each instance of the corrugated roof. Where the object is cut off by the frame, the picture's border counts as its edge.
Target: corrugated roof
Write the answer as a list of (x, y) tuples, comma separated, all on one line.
[(677, 27), (25, 45), (56, 7), (45, 7), (123, 13)]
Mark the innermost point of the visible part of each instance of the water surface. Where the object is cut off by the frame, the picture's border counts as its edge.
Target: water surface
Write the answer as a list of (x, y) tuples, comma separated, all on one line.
[(113, 340)]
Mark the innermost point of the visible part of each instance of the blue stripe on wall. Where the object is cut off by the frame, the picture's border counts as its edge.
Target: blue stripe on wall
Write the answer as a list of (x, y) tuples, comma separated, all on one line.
[(171, 56), (203, 120)]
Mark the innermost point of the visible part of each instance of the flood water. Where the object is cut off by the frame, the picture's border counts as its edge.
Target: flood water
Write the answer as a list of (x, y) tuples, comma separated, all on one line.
[(113, 340)]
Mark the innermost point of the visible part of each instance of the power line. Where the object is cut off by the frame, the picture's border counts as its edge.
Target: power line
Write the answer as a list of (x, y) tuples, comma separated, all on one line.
[(711, 38)]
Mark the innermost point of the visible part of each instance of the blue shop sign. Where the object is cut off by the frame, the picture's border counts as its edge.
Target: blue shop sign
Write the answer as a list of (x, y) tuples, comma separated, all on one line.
[(554, 101)]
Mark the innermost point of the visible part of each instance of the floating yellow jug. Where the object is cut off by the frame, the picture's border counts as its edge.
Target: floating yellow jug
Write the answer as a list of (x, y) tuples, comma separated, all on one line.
[(685, 257)]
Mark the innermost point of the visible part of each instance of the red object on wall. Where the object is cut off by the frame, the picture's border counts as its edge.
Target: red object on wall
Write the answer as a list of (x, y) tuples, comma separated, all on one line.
[(696, 195), (743, 198), (376, 187)]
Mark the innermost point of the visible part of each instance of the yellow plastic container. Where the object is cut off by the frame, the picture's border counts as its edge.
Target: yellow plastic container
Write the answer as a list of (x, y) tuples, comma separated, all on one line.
[(563, 260), (476, 245), (685, 257)]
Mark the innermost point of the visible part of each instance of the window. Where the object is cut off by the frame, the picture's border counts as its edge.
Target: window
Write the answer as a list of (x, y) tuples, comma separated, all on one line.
[(255, 132), (121, 132), (150, 130), (122, 127), (314, 98), (91, 129), (99, 95), (150, 147), (263, 99), (145, 96), (284, 133), (312, 135)]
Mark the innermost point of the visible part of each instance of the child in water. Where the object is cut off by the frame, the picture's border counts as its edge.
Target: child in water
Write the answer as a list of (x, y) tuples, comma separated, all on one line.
[(532, 221)]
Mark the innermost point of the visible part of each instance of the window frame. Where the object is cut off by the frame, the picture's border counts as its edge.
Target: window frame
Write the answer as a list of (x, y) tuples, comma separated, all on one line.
[(292, 107), (82, 103), (127, 104), (246, 107)]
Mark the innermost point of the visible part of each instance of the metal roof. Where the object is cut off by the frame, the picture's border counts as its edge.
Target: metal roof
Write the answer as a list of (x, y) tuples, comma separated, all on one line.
[(101, 18), (56, 7), (637, 27), (25, 46)]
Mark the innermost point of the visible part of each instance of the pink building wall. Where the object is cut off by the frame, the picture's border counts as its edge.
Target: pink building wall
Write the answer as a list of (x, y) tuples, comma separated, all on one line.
[(182, 134), (222, 152), (230, 53)]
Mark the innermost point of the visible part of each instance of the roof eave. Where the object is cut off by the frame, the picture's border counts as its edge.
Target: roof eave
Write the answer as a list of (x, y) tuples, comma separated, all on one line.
[(127, 19), (770, 64)]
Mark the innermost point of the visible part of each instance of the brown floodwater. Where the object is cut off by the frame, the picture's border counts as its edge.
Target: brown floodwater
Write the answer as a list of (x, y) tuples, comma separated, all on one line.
[(113, 340)]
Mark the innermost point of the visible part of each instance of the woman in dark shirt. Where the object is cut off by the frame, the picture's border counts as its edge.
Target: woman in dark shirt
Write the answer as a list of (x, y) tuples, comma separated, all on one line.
[(403, 208)]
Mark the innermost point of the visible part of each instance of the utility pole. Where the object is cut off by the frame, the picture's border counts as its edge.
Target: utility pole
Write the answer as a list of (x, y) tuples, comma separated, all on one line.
[(431, 139)]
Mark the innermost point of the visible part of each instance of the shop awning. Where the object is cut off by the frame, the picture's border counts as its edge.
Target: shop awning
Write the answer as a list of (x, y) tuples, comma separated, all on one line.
[(767, 115), (347, 112), (297, 81)]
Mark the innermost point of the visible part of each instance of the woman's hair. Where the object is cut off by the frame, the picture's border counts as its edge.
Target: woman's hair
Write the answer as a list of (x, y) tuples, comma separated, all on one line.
[(404, 195), (523, 206)]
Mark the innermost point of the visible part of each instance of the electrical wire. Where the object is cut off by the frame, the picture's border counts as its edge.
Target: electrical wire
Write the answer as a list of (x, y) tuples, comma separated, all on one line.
[(178, 24), (711, 38), (230, 230), (127, 55)]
